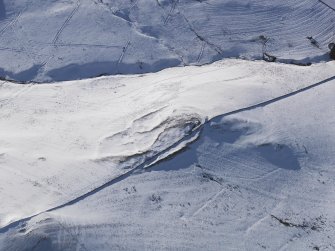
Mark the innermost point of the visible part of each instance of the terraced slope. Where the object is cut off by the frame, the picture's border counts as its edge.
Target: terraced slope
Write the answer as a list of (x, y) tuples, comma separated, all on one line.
[(44, 40)]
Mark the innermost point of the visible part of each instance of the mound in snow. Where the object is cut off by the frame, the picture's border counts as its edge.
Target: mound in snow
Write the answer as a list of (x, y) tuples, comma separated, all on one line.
[(236, 154), (44, 40)]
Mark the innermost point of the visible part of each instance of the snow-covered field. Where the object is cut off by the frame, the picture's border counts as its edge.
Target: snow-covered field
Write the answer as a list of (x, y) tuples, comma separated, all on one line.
[(236, 155), (48, 40), (194, 143)]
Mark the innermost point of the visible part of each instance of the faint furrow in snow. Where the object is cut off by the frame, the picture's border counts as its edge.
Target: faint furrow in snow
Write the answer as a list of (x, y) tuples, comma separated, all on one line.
[(159, 4), (208, 202), (256, 223), (66, 22), (11, 23), (213, 198), (73, 236), (160, 41), (11, 49), (204, 2), (247, 167), (87, 45), (201, 38), (124, 50), (173, 7), (324, 3), (141, 32), (201, 52), (16, 94), (45, 62)]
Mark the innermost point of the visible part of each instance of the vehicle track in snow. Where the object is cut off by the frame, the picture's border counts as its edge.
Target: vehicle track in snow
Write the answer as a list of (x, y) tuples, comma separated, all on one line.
[(66, 22), (215, 47), (123, 53), (13, 22), (201, 51), (324, 3), (173, 7), (84, 45)]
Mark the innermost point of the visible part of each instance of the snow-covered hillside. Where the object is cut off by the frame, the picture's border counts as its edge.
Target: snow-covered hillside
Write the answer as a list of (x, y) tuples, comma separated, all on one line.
[(48, 40), (167, 125), (236, 155)]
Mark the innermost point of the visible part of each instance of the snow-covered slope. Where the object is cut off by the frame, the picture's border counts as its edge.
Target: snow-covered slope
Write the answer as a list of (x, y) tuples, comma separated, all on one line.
[(48, 40), (233, 155)]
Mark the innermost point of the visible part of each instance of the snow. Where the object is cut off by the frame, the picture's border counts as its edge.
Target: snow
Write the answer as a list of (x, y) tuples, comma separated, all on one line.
[(236, 154), (47, 41), (159, 125), (329, 3)]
